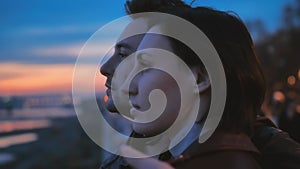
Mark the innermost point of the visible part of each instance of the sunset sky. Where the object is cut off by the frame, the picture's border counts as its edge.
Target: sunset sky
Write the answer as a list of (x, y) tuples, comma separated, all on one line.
[(41, 39)]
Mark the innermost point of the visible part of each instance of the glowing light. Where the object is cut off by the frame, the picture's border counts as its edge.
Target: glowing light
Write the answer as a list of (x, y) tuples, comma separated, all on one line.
[(298, 108), (279, 96), (105, 98), (17, 139), (299, 74), (9, 126), (291, 80)]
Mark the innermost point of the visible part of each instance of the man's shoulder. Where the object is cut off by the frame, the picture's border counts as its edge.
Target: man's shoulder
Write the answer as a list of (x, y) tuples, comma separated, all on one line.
[(222, 150), (277, 148), (230, 159)]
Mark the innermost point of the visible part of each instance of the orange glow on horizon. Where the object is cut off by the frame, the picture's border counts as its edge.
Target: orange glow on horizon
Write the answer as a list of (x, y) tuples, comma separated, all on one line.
[(19, 79), (291, 80)]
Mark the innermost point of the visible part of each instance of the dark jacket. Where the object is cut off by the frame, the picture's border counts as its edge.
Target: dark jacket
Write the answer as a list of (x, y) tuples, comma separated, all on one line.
[(221, 150), (228, 151), (278, 150)]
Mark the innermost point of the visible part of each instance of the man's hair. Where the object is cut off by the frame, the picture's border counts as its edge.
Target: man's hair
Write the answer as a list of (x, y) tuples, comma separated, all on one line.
[(244, 76)]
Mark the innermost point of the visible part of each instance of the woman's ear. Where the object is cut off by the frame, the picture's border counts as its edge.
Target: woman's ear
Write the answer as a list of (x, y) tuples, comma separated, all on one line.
[(202, 78), (203, 85)]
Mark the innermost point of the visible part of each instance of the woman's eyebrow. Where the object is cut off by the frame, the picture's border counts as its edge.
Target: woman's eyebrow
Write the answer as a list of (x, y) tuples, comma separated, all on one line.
[(124, 45)]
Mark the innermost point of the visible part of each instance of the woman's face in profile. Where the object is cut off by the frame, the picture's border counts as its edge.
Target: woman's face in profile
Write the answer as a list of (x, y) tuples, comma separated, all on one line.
[(149, 80)]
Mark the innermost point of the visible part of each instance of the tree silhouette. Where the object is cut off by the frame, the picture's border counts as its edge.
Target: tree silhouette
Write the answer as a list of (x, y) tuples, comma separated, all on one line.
[(280, 55)]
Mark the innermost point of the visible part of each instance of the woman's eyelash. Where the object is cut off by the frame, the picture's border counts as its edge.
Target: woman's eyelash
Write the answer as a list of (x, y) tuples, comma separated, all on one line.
[(145, 71), (122, 55), (143, 60)]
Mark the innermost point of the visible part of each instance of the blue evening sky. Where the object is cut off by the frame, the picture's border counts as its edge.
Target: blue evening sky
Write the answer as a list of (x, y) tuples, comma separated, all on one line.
[(52, 31)]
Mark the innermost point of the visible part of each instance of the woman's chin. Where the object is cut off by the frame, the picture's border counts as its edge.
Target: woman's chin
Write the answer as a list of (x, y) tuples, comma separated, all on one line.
[(148, 130)]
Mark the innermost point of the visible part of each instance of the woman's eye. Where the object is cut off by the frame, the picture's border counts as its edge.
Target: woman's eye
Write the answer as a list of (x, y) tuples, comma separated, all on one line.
[(144, 60), (122, 55), (143, 72)]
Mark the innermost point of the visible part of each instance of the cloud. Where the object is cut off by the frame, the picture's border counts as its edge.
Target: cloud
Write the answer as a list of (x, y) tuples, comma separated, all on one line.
[(66, 29), (55, 30), (71, 50), (58, 53)]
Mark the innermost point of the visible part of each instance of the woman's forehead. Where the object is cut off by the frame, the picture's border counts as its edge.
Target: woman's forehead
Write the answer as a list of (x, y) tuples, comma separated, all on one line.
[(151, 40)]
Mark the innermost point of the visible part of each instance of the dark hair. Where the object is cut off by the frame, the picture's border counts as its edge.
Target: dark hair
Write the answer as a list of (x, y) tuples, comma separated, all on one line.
[(244, 76)]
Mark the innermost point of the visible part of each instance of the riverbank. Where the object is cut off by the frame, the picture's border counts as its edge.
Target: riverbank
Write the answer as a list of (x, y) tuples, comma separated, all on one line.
[(62, 145)]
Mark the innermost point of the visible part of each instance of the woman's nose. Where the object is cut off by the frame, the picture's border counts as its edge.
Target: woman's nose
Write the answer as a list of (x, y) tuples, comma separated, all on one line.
[(133, 87)]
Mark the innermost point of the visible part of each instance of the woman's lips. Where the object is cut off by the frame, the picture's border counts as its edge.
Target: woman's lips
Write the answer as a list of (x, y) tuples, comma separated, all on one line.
[(134, 110)]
